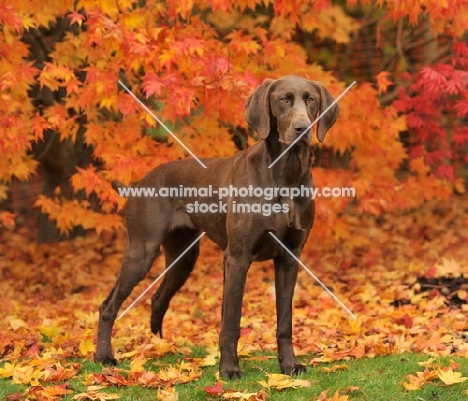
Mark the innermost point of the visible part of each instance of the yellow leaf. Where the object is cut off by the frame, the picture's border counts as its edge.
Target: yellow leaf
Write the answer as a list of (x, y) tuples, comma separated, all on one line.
[(109, 102), (135, 20), (7, 370), (86, 346), (449, 267), (335, 368), (28, 22), (16, 323), (26, 375), (129, 354), (239, 395), (210, 360), (450, 377), (263, 383), (109, 7), (300, 383), (50, 331), (136, 365), (462, 294), (280, 382), (167, 57), (169, 394), (428, 363), (149, 119)]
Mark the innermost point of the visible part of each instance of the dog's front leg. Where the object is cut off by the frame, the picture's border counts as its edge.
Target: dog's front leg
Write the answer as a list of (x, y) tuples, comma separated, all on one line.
[(285, 280), (235, 273)]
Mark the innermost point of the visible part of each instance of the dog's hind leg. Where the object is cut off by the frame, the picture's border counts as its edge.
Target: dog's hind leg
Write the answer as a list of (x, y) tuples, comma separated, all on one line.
[(137, 260), (175, 243)]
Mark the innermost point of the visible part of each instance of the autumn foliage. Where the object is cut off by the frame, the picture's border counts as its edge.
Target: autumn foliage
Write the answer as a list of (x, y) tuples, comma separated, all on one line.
[(400, 141), (194, 63)]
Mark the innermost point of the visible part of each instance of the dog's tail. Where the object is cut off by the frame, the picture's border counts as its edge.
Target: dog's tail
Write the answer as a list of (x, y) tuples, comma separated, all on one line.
[(116, 185)]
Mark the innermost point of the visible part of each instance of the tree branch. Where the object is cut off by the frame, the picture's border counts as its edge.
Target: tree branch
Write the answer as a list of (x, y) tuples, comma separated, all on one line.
[(399, 41)]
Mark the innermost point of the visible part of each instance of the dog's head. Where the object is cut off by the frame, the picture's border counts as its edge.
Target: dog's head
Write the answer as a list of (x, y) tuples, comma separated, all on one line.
[(290, 105)]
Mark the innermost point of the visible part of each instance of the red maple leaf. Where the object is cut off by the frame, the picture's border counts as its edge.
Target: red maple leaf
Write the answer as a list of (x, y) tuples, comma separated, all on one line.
[(217, 389)]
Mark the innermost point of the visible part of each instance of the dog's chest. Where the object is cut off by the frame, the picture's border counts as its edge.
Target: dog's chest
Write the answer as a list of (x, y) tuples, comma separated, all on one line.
[(297, 217)]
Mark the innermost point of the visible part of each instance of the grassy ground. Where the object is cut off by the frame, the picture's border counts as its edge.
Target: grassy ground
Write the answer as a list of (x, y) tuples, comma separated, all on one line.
[(378, 379)]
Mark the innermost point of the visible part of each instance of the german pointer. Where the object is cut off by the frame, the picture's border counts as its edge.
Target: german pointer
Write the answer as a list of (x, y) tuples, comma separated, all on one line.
[(279, 111)]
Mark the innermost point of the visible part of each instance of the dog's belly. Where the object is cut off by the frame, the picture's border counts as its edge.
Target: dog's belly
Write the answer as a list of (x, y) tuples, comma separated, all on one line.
[(247, 233), (213, 224), (181, 219)]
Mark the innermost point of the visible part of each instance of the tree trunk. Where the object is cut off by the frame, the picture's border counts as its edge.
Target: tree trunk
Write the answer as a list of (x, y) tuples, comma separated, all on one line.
[(57, 158)]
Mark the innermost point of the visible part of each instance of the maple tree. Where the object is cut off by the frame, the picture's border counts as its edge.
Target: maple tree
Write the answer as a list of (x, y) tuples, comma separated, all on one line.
[(195, 63)]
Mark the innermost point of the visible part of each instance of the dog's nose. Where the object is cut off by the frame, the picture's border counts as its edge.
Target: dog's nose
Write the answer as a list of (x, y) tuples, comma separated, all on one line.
[(301, 126)]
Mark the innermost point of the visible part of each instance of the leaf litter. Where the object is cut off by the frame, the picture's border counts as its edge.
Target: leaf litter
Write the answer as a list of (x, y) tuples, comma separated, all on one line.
[(382, 272)]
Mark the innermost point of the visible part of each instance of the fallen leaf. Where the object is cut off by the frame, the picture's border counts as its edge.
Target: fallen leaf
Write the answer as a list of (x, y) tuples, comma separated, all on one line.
[(210, 360), (86, 347), (415, 383), (336, 396), (7, 370), (137, 364), (217, 389), (279, 382), (427, 363), (450, 377), (96, 396), (350, 389), (168, 394), (237, 395), (428, 375), (16, 323), (335, 368)]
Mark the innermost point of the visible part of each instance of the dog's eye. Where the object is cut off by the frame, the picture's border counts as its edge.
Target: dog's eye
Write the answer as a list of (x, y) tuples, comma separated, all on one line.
[(310, 100), (284, 99)]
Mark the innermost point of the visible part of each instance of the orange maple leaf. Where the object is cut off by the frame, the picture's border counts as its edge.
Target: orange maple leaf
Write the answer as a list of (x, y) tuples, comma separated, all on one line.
[(76, 17), (383, 82)]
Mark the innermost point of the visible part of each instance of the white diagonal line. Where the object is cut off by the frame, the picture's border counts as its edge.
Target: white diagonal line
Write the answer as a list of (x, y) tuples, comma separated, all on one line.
[(311, 125), (160, 276), (314, 276), (162, 124)]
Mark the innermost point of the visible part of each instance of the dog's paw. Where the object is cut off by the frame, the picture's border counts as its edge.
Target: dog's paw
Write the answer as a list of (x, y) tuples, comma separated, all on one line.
[(231, 373), (293, 369), (106, 360), (156, 327)]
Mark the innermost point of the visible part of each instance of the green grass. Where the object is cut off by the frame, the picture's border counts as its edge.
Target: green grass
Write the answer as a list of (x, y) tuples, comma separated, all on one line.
[(378, 379)]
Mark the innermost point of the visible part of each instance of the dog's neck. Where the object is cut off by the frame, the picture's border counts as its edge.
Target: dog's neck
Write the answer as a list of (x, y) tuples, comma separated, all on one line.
[(293, 167)]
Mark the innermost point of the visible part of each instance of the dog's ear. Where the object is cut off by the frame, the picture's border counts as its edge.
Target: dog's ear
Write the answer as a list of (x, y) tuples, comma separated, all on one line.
[(257, 109), (329, 118)]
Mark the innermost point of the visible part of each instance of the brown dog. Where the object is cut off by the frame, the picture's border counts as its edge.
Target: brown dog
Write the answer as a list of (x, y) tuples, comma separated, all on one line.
[(279, 111)]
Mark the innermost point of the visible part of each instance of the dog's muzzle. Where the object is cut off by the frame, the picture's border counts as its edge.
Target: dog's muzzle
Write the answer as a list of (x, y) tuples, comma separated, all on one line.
[(302, 129)]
